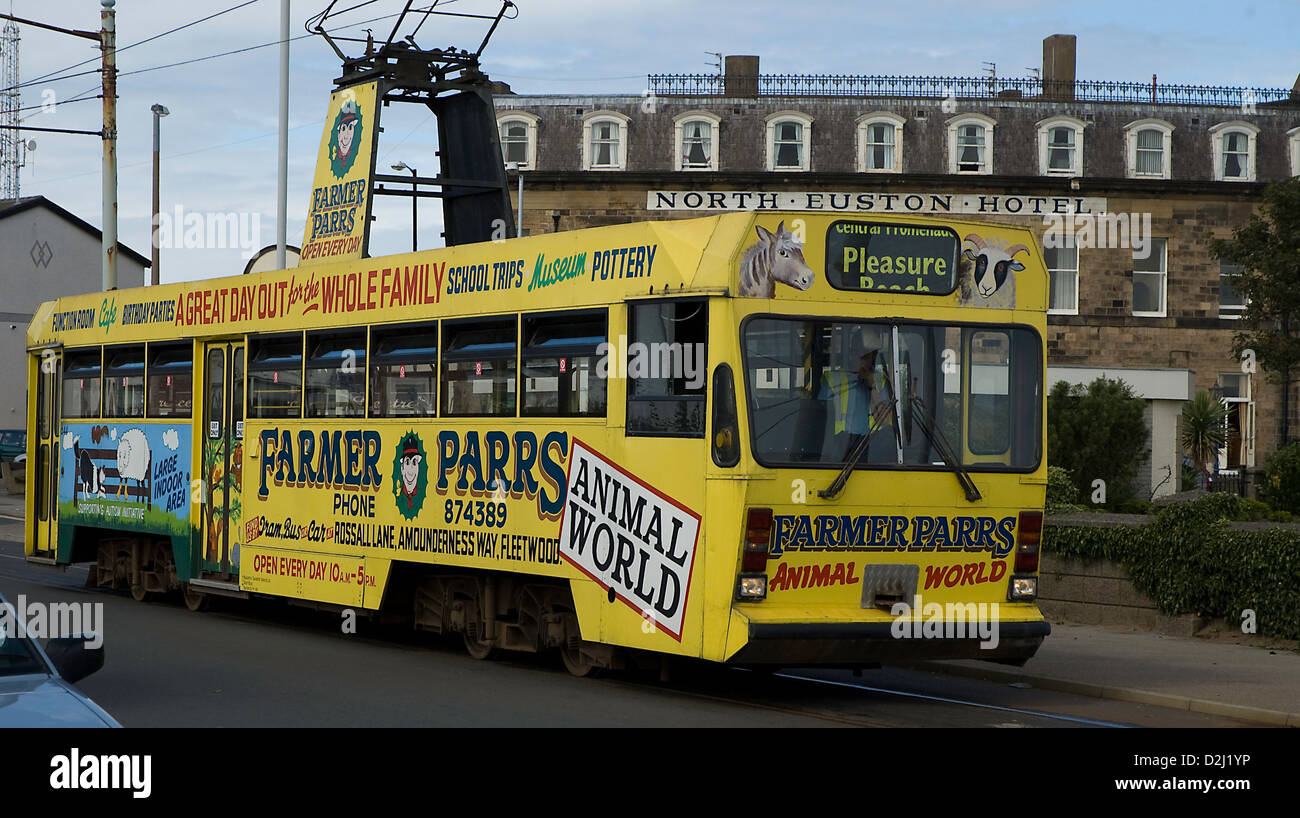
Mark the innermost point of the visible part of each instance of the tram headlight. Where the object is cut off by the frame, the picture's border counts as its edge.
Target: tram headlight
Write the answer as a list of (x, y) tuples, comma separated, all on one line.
[(751, 587)]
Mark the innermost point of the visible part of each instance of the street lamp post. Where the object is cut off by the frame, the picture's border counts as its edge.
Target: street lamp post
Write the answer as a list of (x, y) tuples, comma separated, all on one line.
[(159, 111), (415, 200), (513, 167)]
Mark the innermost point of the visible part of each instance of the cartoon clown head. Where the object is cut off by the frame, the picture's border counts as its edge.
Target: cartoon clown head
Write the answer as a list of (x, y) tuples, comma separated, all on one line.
[(411, 458)]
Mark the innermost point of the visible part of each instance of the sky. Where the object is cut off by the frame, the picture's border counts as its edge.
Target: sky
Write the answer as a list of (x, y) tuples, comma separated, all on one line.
[(219, 142)]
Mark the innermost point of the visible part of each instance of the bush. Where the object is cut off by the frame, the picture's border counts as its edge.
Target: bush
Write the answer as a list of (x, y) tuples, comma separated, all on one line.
[(1189, 562), (1136, 507), (1062, 494), (1097, 433), (1281, 488), (1254, 511)]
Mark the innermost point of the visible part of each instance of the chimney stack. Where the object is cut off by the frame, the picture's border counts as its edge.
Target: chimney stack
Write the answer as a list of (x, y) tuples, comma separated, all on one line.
[(1058, 67), (740, 77)]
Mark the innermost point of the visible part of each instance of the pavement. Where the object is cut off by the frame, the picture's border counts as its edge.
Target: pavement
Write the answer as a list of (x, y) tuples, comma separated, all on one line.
[(1204, 675)]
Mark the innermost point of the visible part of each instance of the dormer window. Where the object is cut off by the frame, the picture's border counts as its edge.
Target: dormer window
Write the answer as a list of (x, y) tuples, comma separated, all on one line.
[(696, 141), (1060, 147), (970, 144), (604, 141), (1148, 153), (880, 143), (789, 141), (1234, 151), (519, 139)]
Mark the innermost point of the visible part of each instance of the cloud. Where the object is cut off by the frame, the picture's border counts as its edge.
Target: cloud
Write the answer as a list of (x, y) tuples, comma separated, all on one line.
[(69, 439), (171, 439), (113, 434)]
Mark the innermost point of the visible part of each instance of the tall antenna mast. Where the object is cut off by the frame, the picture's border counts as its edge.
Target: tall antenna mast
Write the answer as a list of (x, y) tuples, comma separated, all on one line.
[(9, 104)]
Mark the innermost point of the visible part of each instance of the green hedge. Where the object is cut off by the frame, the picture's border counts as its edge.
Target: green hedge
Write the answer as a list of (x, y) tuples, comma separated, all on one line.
[(1187, 560)]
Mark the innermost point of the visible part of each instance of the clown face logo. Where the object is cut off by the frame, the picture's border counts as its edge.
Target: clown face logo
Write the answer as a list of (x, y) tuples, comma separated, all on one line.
[(345, 139), (410, 475)]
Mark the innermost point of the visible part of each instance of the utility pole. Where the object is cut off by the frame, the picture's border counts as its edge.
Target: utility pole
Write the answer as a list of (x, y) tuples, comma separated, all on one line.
[(282, 171), (108, 43)]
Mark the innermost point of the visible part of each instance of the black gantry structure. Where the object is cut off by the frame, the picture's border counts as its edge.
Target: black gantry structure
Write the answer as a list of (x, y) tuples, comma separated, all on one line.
[(472, 179)]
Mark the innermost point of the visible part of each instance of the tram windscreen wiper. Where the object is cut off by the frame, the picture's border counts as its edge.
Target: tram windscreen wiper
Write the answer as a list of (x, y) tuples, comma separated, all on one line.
[(855, 455), (926, 421)]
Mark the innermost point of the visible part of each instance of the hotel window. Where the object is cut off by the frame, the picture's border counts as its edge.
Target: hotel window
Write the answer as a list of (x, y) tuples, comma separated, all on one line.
[(970, 144), (1060, 147), (880, 143), (1063, 278), (604, 141), (519, 139), (1293, 142), (1234, 151), (1149, 275), (1147, 143), (1231, 302), (695, 142), (789, 141)]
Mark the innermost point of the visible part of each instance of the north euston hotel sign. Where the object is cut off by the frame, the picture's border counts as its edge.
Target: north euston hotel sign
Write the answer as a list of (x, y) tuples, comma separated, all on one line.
[(841, 202)]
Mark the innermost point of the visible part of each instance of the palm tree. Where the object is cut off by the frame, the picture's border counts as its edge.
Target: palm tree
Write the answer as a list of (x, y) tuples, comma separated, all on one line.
[(1204, 430)]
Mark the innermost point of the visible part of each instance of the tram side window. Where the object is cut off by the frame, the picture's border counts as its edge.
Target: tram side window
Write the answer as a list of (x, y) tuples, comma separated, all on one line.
[(124, 382), (667, 368), (559, 361), (275, 377), (171, 381), (478, 367), (336, 374), (404, 371), (990, 392), (81, 382)]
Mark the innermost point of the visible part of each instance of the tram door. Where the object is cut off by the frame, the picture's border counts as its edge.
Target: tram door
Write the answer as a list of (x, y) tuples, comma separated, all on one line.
[(223, 459), (45, 480)]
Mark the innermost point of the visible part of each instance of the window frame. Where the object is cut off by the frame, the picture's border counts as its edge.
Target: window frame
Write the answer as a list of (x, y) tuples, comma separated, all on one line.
[(1219, 134), (1074, 310), (1293, 143), (531, 123), (107, 372), (863, 130), (68, 356), (679, 135), (805, 140), (308, 366), (954, 126), (568, 351), (154, 349), (589, 121), (454, 324), (1131, 131), (375, 359), (1234, 312), (1164, 282), (1045, 128), (251, 366), (629, 395)]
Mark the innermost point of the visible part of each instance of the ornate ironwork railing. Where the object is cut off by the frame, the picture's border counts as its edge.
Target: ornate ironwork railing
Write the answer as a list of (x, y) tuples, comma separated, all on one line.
[(848, 85)]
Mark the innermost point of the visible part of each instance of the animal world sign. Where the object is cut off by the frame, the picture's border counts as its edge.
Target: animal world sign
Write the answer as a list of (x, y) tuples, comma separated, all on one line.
[(629, 538)]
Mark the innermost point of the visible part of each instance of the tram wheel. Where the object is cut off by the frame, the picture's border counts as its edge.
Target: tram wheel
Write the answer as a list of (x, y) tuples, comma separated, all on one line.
[(477, 648), (194, 600), (575, 662), (138, 593)]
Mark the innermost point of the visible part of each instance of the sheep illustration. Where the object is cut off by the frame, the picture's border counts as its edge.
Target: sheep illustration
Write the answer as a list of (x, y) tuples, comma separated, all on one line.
[(989, 272), (89, 477), (774, 257), (133, 461)]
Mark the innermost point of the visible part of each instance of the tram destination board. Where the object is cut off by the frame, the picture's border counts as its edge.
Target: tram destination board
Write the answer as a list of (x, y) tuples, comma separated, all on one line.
[(880, 256)]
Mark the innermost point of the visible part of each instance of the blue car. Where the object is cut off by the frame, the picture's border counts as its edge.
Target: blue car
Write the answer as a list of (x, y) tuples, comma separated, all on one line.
[(36, 685)]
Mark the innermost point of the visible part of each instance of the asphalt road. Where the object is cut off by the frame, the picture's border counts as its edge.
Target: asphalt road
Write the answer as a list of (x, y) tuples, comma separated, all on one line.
[(267, 664)]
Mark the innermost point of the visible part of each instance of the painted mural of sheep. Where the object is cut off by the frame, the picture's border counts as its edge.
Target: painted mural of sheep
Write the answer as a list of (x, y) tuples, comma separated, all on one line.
[(988, 278), (133, 461), (774, 257)]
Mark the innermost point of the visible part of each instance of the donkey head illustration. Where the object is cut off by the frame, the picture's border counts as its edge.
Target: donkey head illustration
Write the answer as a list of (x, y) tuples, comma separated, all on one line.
[(774, 257)]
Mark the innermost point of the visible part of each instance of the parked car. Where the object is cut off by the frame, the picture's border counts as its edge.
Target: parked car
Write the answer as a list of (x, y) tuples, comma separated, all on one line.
[(13, 442), (36, 684)]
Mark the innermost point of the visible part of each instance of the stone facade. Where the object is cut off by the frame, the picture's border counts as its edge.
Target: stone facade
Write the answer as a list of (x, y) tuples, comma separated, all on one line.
[(1187, 210)]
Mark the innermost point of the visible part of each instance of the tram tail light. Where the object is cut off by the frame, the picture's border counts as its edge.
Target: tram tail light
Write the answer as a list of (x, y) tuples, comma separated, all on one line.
[(758, 536), (1029, 532)]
